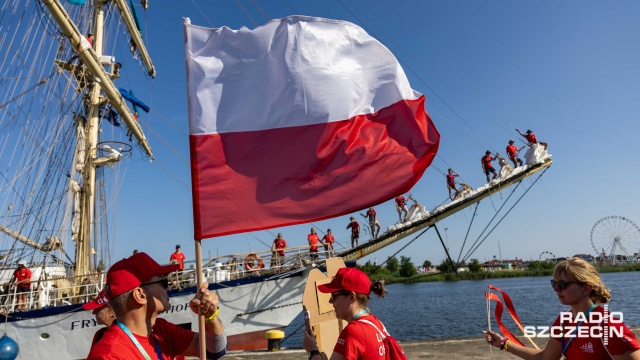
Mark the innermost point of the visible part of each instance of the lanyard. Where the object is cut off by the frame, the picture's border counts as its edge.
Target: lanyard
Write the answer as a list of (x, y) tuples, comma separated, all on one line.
[(360, 313), (565, 347), (137, 344)]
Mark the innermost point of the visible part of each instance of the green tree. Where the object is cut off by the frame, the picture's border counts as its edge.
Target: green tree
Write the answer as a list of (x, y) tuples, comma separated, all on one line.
[(407, 269), (541, 265), (426, 264), (445, 266), (392, 264), (475, 266)]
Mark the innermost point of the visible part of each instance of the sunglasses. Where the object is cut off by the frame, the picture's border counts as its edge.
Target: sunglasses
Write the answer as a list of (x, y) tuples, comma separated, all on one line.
[(164, 283), (561, 284), (340, 292)]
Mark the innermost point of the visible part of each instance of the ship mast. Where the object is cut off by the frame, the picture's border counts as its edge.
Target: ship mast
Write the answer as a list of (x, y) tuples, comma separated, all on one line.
[(91, 54)]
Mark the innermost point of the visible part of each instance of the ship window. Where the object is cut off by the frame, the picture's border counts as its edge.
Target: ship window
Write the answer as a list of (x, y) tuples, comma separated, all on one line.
[(44, 336)]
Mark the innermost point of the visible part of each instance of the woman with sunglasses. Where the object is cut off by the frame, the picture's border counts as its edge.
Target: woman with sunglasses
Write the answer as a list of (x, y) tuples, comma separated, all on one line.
[(579, 334), (360, 339)]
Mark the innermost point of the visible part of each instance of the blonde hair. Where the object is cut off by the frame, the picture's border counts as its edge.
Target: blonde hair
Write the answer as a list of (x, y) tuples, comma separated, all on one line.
[(585, 273)]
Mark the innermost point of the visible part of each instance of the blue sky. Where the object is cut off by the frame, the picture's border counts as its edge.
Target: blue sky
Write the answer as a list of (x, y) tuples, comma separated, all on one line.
[(567, 70)]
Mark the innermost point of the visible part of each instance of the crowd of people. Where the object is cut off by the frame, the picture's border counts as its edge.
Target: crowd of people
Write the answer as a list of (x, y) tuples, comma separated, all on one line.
[(486, 162)]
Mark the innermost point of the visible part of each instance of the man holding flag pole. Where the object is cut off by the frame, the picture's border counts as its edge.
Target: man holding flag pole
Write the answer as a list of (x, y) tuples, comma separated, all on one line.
[(319, 94)]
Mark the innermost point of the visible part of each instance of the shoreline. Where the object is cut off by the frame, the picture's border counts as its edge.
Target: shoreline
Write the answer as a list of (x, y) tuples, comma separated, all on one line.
[(435, 276), (438, 349)]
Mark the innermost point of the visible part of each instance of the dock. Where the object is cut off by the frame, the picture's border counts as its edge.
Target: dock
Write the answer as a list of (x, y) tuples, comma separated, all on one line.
[(435, 349), (462, 348)]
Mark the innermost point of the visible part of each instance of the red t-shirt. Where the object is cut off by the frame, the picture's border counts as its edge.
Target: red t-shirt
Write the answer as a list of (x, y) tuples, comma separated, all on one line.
[(355, 227), (280, 244), (594, 348), (116, 345), (361, 341), (486, 160), (451, 179), (313, 241), (371, 214), (512, 150), (23, 274), (400, 201), (531, 138), (328, 239), (179, 258)]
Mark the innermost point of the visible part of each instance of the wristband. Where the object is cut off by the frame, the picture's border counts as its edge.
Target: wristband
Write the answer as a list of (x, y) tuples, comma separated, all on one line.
[(313, 353), (506, 345), (212, 317), (503, 343)]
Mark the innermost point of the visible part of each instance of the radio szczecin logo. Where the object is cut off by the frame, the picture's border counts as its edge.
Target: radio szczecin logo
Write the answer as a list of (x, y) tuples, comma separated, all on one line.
[(591, 325)]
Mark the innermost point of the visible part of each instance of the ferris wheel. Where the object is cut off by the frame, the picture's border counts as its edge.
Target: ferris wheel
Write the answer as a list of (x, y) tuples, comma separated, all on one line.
[(546, 255), (616, 239)]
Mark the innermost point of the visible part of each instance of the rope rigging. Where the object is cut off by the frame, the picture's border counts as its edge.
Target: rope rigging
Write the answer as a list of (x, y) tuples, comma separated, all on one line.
[(507, 213), (490, 221)]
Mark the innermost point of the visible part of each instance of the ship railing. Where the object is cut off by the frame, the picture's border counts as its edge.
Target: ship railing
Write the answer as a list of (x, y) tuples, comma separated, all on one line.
[(230, 267), (51, 292), (59, 291)]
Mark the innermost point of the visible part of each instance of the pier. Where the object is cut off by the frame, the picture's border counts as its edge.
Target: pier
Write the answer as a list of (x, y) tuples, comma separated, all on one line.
[(436, 349)]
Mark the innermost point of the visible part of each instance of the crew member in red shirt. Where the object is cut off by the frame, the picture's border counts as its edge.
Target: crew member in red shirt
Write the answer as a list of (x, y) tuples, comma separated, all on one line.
[(328, 243), (22, 280), (512, 152), (451, 183), (277, 252), (361, 339), (178, 258), (313, 243), (531, 138), (373, 222), (137, 291), (401, 206), (487, 167), (355, 231), (587, 331)]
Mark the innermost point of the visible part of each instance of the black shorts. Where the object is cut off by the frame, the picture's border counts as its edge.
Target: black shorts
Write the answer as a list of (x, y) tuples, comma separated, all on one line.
[(21, 290), (488, 170), (355, 236)]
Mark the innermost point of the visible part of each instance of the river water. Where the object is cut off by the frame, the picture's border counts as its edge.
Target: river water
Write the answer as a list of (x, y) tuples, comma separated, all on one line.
[(434, 310)]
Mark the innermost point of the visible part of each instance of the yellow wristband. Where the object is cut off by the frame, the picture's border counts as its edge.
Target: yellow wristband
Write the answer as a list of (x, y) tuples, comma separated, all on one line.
[(212, 317), (506, 345)]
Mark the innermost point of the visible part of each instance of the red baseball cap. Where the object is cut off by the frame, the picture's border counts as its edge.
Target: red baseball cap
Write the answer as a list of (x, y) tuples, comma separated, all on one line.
[(127, 274), (96, 303), (350, 279)]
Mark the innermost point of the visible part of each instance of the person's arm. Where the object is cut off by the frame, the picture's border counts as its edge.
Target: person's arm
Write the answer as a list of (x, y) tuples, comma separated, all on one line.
[(310, 345), (629, 355), (216, 342), (552, 350)]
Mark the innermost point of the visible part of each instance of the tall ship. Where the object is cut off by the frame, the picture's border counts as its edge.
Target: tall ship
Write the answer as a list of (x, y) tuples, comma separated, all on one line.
[(68, 127)]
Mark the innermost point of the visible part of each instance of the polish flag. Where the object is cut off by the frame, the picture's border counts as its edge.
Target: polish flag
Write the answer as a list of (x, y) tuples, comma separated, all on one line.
[(299, 120)]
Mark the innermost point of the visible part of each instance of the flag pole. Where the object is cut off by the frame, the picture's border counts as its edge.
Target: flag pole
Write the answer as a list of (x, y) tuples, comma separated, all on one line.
[(199, 280)]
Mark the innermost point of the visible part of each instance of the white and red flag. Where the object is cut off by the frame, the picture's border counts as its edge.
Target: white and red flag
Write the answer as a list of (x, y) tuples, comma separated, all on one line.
[(299, 120)]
